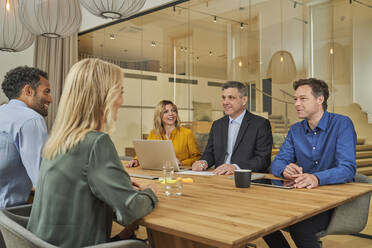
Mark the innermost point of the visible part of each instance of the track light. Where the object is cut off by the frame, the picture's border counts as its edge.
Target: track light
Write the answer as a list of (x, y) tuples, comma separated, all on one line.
[(215, 19), (241, 25)]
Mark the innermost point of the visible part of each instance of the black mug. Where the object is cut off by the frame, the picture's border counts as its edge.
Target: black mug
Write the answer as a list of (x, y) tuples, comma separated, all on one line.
[(242, 178)]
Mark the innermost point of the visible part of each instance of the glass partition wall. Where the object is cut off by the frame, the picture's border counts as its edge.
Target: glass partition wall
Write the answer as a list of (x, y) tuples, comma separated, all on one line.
[(184, 53)]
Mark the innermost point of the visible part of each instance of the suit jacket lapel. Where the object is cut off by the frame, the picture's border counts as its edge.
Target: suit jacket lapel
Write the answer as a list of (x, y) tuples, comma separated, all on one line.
[(224, 132), (242, 129)]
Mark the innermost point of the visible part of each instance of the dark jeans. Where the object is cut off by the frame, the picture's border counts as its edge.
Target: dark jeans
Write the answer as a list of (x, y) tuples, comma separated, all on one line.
[(276, 240), (302, 233)]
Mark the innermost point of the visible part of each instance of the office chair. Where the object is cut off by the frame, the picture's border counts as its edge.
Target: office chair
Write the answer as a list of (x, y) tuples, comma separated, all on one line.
[(351, 217), (13, 228)]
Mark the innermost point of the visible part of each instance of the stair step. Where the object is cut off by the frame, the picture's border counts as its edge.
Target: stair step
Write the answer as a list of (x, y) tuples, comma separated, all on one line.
[(365, 170), (278, 121), (275, 117), (360, 141), (363, 162), (364, 148), (364, 154), (279, 130), (279, 125)]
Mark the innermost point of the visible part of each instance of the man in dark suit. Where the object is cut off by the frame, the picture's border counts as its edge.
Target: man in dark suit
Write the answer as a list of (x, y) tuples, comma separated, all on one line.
[(240, 139)]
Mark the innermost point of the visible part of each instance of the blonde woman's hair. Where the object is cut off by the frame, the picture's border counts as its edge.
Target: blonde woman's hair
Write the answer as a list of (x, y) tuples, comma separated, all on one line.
[(91, 88), (158, 116)]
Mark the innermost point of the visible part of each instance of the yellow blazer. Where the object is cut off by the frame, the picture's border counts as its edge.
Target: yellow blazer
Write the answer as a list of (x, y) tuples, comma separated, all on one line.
[(184, 144)]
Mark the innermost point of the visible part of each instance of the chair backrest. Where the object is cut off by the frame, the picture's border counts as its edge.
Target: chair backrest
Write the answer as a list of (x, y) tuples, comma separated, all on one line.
[(350, 218), (15, 234), (14, 230), (22, 210)]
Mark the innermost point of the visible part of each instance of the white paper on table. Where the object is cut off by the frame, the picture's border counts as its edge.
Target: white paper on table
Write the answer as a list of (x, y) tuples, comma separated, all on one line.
[(196, 173)]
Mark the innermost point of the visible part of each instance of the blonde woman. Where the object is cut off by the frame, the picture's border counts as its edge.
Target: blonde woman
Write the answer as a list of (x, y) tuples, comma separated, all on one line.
[(167, 126), (82, 182)]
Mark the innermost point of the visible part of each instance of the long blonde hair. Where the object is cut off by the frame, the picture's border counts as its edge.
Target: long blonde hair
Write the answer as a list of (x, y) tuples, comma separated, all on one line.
[(90, 91), (158, 116)]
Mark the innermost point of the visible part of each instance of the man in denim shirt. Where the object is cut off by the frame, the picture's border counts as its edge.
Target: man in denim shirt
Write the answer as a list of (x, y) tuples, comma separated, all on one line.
[(22, 133), (319, 150)]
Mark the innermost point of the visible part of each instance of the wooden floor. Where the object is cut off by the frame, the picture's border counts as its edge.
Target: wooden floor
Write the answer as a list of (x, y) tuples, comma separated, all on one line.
[(331, 241)]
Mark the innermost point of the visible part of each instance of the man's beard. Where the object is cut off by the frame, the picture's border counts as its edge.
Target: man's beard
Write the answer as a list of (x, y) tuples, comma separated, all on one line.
[(40, 106)]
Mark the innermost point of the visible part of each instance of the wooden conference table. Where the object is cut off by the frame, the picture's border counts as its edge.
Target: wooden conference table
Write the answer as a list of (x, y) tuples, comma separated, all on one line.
[(212, 212)]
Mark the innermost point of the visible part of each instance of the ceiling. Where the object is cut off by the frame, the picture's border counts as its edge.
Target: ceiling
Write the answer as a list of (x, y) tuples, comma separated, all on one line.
[(188, 30)]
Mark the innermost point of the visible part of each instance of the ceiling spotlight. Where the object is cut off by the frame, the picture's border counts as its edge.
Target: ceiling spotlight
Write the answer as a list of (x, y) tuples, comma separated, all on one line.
[(240, 64), (7, 6), (153, 43), (215, 19), (197, 58), (112, 37), (210, 53), (181, 48), (241, 25), (331, 51)]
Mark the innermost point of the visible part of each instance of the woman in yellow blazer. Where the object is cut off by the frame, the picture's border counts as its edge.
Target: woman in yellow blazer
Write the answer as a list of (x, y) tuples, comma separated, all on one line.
[(167, 127)]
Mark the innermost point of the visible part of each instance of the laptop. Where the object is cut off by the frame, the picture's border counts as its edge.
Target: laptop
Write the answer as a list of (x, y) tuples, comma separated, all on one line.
[(152, 154)]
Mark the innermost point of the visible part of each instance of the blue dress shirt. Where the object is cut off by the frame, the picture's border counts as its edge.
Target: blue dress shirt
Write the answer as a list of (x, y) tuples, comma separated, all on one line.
[(234, 126), (22, 136), (328, 151)]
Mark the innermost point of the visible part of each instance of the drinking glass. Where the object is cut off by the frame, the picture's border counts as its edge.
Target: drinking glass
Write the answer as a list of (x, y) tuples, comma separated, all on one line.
[(173, 184)]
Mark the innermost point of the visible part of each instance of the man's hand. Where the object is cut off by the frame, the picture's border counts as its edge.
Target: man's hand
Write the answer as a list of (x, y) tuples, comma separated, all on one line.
[(225, 169), (292, 171), (199, 165), (132, 163), (306, 180)]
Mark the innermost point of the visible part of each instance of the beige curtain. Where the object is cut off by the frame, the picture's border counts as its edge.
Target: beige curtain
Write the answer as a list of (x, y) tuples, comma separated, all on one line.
[(55, 56)]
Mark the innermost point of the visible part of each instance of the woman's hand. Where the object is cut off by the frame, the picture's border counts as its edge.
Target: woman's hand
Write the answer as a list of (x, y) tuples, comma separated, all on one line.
[(132, 163), (151, 186), (136, 185), (179, 163)]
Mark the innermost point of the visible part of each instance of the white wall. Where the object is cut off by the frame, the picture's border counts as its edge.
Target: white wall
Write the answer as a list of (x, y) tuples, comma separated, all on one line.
[(11, 60), (362, 58), (133, 121)]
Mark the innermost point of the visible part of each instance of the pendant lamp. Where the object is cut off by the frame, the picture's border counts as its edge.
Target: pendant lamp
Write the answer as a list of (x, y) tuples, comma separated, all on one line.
[(14, 37), (114, 9), (282, 68), (51, 18)]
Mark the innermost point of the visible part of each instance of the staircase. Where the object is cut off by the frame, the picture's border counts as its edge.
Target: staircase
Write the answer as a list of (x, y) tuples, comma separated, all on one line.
[(364, 157), (278, 124)]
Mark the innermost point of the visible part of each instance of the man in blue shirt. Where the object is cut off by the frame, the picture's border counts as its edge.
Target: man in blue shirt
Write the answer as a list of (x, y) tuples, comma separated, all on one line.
[(319, 150), (22, 133)]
